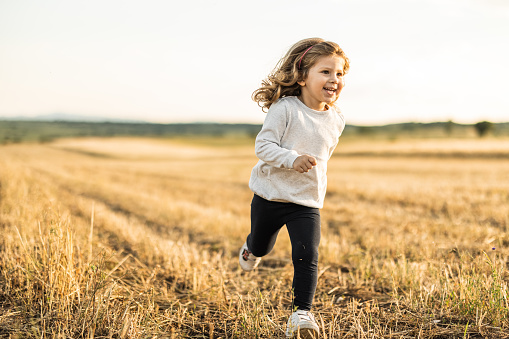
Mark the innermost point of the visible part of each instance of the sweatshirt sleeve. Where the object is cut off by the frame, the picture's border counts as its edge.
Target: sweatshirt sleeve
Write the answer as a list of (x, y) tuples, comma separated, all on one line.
[(268, 142)]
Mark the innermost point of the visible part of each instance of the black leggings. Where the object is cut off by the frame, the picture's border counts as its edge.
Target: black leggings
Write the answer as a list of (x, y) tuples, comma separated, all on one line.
[(303, 224)]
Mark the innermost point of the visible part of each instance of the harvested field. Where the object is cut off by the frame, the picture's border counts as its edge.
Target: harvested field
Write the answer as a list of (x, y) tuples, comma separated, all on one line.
[(138, 238)]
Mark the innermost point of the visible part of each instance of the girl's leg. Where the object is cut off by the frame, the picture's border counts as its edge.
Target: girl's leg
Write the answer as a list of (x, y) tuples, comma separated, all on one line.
[(266, 222), (303, 224), (304, 231)]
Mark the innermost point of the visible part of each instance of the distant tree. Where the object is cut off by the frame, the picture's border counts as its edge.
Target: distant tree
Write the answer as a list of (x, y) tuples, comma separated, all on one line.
[(449, 125), (365, 130), (483, 128)]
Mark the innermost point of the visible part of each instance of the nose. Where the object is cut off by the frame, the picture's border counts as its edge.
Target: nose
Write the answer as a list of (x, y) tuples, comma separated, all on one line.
[(337, 80)]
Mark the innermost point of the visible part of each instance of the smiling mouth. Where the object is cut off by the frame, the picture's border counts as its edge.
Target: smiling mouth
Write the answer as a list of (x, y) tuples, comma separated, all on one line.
[(330, 90)]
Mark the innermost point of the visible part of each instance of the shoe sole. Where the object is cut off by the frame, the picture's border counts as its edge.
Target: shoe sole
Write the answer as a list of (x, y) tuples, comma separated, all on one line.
[(241, 261), (306, 333)]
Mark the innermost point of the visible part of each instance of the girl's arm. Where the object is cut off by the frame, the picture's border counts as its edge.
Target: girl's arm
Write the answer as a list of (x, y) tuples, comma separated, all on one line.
[(268, 142)]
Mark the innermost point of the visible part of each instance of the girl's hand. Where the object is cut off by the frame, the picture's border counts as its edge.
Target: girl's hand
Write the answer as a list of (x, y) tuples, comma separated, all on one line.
[(304, 163)]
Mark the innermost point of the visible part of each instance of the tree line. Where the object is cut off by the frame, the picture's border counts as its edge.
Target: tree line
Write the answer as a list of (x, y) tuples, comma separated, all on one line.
[(47, 131)]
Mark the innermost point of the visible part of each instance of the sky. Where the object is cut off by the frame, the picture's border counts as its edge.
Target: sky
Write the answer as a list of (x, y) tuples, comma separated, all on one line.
[(199, 61)]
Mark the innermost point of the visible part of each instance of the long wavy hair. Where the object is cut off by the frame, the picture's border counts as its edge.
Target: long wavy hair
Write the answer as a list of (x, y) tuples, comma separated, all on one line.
[(294, 67)]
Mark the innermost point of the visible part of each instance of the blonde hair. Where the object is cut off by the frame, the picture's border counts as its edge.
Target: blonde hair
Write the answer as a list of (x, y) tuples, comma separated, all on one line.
[(294, 67)]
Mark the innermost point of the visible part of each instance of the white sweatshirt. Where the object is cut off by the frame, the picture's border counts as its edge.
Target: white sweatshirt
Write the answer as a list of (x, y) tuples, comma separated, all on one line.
[(292, 129)]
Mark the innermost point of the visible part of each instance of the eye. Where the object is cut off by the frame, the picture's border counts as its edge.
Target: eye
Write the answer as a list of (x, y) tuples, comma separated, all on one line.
[(325, 72), (339, 74)]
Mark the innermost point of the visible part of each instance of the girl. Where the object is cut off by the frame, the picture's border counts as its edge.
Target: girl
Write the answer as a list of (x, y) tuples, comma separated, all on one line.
[(300, 132)]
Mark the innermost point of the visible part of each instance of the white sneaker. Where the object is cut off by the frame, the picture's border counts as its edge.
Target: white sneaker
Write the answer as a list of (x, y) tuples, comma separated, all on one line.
[(302, 324), (247, 260)]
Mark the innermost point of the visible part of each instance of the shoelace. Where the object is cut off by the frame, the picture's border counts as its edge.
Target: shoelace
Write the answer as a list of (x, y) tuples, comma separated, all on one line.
[(306, 316), (246, 254)]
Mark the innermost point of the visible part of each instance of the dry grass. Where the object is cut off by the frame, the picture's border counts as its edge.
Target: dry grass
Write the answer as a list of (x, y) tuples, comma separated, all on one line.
[(138, 238)]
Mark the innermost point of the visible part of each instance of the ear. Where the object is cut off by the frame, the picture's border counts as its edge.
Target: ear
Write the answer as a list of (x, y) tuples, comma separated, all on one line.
[(302, 83)]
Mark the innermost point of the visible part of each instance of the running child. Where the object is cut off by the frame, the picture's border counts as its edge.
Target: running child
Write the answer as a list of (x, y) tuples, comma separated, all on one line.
[(299, 134)]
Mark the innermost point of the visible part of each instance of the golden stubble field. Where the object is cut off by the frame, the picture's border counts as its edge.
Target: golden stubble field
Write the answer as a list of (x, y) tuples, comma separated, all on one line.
[(138, 238)]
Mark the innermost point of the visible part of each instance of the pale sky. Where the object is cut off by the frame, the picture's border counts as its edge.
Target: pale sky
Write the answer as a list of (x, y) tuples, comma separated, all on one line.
[(188, 61)]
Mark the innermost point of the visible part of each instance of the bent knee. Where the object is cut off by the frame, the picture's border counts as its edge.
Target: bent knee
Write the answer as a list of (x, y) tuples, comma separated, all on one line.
[(303, 253)]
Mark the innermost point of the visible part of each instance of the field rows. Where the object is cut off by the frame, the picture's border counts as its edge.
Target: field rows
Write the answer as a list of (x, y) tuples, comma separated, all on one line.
[(412, 246)]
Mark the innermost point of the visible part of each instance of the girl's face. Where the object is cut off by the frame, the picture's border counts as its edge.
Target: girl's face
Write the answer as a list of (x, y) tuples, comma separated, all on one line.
[(323, 82)]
